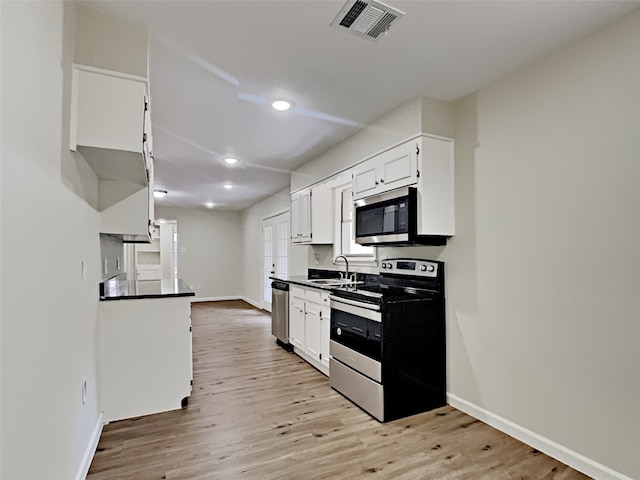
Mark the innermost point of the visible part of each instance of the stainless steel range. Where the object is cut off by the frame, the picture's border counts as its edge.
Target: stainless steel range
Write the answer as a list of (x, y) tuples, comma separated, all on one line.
[(388, 340)]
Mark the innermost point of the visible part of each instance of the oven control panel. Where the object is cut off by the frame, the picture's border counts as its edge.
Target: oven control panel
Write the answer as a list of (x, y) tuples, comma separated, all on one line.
[(423, 268)]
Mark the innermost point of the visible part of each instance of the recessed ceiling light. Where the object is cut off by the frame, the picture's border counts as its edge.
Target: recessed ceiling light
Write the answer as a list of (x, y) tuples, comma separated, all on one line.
[(281, 105), (228, 186), (230, 160), (209, 204), (159, 193)]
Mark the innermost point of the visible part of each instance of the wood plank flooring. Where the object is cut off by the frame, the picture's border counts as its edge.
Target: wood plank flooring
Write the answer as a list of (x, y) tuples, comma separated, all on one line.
[(258, 412)]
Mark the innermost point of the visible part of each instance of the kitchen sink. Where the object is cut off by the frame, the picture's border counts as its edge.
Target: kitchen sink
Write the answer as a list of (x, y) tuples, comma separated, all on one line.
[(333, 281)]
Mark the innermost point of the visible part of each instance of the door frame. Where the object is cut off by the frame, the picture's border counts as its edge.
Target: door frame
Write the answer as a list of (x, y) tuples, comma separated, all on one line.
[(264, 218)]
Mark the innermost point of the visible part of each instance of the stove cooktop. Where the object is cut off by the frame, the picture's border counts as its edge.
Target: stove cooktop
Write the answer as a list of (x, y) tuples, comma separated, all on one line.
[(400, 280), (382, 293)]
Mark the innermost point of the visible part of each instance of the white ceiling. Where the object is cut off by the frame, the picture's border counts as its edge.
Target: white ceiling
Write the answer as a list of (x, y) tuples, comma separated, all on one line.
[(215, 64)]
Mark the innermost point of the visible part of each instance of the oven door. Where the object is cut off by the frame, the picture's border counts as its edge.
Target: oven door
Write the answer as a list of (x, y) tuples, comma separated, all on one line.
[(357, 326), (386, 218)]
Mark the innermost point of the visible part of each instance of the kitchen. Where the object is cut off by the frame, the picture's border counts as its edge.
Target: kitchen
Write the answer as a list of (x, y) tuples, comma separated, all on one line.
[(534, 348)]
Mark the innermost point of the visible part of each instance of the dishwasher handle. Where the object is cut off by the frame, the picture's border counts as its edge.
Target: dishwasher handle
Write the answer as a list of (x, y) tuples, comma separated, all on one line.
[(278, 285)]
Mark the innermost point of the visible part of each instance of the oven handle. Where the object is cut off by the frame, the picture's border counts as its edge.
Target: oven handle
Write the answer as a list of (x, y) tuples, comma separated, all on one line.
[(370, 312)]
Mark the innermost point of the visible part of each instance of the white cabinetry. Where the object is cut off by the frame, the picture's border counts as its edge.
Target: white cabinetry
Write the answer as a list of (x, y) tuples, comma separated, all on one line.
[(309, 325), (108, 115), (145, 347), (110, 128), (296, 318), (426, 163), (394, 168), (325, 330), (436, 194), (312, 215), (312, 309)]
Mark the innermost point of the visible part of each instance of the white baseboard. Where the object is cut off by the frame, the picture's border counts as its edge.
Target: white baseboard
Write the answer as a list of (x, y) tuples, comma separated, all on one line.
[(559, 452), (90, 450), (230, 297), (215, 299), (251, 302)]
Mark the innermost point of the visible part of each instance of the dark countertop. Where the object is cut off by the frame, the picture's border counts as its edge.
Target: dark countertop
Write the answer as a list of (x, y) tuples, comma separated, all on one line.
[(118, 288), (304, 280), (301, 280)]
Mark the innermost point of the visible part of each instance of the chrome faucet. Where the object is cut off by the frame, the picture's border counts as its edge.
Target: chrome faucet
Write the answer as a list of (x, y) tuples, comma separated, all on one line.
[(346, 275)]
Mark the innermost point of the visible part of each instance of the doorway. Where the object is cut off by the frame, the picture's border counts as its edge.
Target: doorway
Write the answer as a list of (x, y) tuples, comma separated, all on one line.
[(275, 252)]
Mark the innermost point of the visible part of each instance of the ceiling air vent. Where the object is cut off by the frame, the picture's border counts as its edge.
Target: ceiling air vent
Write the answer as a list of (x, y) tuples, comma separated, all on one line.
[(367, 18)]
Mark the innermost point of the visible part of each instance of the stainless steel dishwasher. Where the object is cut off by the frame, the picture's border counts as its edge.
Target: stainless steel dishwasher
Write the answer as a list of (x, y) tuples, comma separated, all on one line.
[(280, 313)]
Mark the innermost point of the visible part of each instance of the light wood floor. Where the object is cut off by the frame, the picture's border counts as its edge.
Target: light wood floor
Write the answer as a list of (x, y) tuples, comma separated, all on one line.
[(258, 412)]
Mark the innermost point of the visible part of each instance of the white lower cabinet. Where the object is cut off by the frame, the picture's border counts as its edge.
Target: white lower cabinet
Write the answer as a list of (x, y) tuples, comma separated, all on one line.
[(296, 318), (309, 318), (325, 330), (145, 363)]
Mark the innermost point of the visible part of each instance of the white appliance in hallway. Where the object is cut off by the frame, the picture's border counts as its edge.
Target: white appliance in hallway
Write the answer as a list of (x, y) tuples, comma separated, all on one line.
[(155, 260)]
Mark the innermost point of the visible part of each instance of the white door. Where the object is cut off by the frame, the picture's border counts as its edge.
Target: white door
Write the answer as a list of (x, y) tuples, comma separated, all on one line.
[(275, 252)]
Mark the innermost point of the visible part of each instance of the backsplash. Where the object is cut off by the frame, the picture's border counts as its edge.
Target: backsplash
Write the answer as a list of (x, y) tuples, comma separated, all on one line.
[(111, 256)]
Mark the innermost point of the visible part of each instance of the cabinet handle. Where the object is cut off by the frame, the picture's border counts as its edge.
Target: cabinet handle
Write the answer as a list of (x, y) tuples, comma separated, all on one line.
[(382, 180), (376, 182)]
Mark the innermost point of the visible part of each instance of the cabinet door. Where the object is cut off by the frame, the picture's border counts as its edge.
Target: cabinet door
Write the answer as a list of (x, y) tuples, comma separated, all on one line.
[(110, 111), (436, 188), (312, 333), (365, 180), (297, 323), (325, 329), (397, 167), (305, 215), (295, 217)]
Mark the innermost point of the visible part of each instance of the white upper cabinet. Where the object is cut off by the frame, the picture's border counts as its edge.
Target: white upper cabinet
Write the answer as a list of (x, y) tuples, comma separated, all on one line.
[(436, 194), (295, 217), (110, 123), (312, 215), (304, 235), (425, 163), (394, 168)]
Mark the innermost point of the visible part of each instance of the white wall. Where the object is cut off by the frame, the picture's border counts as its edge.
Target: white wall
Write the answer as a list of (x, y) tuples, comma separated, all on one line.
[(544, 272), (210, 257), (49, 317), (111, 44)]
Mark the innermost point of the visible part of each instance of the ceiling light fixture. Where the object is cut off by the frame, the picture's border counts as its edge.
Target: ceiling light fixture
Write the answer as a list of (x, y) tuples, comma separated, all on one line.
[(281, 105), (159, 193), (209, 204), (230, 160), (228, 186)]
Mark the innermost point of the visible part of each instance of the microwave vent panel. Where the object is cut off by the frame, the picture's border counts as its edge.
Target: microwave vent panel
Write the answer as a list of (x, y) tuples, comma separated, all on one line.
[(367, 18)]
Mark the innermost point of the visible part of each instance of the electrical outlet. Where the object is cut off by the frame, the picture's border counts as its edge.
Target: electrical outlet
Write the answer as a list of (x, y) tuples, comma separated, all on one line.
[(84, 390)]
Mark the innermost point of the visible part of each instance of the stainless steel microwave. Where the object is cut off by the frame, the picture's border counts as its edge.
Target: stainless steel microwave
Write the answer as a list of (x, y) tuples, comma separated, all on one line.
[(391, 218)]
